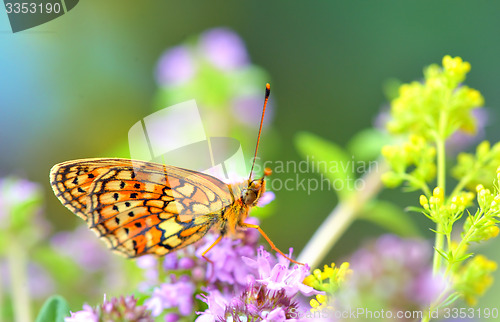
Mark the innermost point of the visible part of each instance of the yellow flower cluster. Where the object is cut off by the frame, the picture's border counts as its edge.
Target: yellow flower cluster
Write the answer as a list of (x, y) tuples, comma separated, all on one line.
[(415, 152), (487, 200), (327, 280), (320, 303), (334, 275), (420, 106), (455, 67), (458, 203), (435, 202), (475, 278), (485, 228), (461, 201), (479, 168)]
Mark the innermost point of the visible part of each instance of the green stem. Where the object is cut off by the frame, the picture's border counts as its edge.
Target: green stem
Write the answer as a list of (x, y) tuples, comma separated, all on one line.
[(465, 240), (466, 179), (441, 183), (18, 262), (425, 188), (341, 218), (433, 306), (161, 270), (1, 301), (463, 182)]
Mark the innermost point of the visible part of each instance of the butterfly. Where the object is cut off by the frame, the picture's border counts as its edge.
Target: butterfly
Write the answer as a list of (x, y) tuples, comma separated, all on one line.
[(139, 207)]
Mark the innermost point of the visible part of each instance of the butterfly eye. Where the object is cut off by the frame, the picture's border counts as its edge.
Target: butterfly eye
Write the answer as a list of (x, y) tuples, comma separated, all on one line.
[(249, 196)]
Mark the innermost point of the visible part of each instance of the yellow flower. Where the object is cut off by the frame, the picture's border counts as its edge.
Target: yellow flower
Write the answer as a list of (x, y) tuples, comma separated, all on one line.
[(455, 65), (438, 194), (424, 202), (329, 279), (475, 278), (321, 303)]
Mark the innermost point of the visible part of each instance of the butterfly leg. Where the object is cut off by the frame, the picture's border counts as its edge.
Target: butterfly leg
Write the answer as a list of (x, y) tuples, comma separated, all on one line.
[(269, 241), (207, 259)]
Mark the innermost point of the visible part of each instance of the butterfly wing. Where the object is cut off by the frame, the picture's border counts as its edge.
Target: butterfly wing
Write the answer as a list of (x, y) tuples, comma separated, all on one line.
[(141, 207), (71, 182)]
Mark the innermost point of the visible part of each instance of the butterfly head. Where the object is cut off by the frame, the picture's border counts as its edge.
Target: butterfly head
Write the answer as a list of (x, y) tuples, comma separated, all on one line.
[(255, 189)]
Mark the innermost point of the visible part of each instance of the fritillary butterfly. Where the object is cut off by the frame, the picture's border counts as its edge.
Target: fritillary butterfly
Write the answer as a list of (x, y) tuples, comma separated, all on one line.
[(140, 207)]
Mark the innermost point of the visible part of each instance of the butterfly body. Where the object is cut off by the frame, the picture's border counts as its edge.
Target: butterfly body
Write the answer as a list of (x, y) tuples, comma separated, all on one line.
[(140, 207)]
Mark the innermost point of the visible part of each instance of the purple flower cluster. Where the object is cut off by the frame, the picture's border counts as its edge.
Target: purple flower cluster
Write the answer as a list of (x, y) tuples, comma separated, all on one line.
[(227, 257), (14, 193), (269, 295), (217, 70), (20, 215), (40, 283), (116, 309), (191, 271), (220, 47), (257, 303), (177, 293), (224, 49), (239, 281), (393, 273), (83, 247)]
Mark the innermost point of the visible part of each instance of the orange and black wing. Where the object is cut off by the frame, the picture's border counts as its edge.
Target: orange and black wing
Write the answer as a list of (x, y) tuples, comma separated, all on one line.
[(72, 180), (141, 207)]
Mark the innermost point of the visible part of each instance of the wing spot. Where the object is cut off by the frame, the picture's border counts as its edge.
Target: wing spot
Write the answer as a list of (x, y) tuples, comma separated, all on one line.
[(126, 230), (122, 185), (90, 175), (116, 196), (75, 181), (127, 204), (131, 214), (138, 225), (115, 208), (81, 190), (117, 220), (137, 186), (133, 195)]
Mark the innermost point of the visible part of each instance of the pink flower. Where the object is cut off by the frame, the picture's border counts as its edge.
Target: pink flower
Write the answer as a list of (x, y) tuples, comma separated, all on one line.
[(268, 296), (86, 315), (224, 48), (179, 293), (116, 309), (176, 66), (281, 276)]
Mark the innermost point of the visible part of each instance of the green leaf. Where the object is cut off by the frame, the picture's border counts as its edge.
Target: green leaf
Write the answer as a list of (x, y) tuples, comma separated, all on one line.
[(464, 257), (390, 217), (367, 144), (55, 309), (330, 159), (449, 300), (445, 256)]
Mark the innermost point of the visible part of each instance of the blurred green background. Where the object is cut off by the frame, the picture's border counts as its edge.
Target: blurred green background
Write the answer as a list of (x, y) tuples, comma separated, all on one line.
[(72, 88)]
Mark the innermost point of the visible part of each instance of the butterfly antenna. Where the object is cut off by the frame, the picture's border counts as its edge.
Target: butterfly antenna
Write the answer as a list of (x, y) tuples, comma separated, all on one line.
[(268, 91)]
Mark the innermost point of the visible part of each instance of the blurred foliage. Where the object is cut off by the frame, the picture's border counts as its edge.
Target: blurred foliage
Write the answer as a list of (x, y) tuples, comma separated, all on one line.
[(55, 309)]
